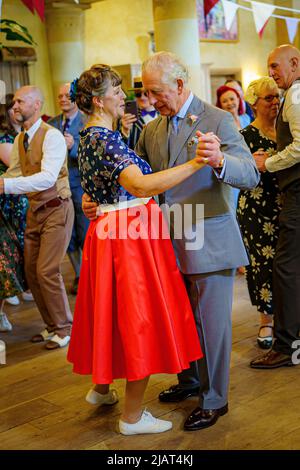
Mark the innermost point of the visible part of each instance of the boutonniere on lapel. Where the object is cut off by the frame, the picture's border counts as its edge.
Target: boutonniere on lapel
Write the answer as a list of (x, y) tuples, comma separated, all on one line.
[(193, 141), (192, 118)]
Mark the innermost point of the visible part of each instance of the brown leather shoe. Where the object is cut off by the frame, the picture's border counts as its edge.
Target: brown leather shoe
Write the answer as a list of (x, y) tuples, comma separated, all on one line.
[(200, 418), (271, 360)]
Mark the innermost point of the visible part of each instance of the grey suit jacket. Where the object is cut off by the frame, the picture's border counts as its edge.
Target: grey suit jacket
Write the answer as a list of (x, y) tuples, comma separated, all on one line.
[(223, 247)]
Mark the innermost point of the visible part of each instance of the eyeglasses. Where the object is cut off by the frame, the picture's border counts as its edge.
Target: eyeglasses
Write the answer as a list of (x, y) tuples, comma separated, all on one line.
[(270, 98), (138, 94)]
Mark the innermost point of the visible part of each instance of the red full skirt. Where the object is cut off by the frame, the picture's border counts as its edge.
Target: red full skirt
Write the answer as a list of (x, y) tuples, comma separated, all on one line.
[(132, 315)]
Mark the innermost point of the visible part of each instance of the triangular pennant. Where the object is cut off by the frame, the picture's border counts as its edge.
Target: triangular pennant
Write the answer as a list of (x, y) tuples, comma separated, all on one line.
[(230, 10), (39, 6), (208, 5), (29, 4), (291, 25), (262, 30), (261, 14)]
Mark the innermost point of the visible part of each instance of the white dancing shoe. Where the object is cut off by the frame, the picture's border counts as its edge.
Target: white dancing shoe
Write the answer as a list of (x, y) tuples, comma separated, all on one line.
[(96, 398), (13, 300), (146, 425), (5, 324)]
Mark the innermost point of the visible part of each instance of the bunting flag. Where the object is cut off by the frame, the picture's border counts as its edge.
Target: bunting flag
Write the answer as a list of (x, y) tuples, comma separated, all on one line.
[(208, 5), (29, 4), (36, 5), (39, 6), (261, 15), (291, 26), (230, 10)]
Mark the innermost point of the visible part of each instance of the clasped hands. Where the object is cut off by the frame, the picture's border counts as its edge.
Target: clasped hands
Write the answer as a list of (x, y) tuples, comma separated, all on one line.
[(208, 149)]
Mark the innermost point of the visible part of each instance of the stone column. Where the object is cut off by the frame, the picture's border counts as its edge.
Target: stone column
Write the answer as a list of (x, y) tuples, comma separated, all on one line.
[(176, 30), (65, 34)]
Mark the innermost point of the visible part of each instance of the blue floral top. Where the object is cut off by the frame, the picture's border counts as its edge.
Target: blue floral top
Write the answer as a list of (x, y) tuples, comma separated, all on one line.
[(102, 156)]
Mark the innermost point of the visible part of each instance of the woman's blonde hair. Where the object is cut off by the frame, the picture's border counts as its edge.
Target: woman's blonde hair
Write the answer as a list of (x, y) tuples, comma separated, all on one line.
[(256, 86)]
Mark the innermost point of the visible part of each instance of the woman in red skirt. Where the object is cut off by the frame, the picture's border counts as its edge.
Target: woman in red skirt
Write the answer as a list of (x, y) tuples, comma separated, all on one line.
[(132, 316)]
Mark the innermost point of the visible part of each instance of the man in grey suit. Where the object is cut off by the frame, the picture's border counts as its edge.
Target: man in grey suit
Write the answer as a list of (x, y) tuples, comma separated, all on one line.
[(208, 272), (170, 140)]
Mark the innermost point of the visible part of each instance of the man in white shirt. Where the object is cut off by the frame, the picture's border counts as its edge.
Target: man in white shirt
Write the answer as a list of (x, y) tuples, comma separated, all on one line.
[(38, 168), (284, 67), (70, 122)]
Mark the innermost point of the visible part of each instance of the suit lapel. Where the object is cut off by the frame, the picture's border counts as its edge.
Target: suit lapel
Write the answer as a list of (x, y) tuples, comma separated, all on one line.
[(187, 127)]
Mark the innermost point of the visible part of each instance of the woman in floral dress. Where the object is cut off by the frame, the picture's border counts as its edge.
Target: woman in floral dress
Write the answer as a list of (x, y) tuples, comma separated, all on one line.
[(13, 210), (12, 279), (258, 209), (14, 206)]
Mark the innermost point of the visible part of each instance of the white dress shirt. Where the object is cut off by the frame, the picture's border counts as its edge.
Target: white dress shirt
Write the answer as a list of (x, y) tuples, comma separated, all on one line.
[(54, 153), (291, 114)]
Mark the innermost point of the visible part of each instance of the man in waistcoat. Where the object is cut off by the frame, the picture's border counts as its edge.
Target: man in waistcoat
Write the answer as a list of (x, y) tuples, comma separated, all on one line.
[(70, 122), (284, 67), (38, 168)]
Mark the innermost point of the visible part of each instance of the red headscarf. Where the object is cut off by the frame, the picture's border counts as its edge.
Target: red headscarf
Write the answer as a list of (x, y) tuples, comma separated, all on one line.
[(221, 90)]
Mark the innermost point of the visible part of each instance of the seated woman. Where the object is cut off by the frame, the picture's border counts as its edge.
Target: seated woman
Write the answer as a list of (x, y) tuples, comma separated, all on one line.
[(132, 315), (258, 210)]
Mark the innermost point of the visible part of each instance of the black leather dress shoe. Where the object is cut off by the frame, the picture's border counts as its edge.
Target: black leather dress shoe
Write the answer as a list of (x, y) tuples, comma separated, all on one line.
[(175, 394), (271, 360), (200, 418)]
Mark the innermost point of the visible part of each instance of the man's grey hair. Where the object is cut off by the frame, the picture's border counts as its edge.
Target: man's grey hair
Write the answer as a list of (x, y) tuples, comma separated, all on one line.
[(171, 67)]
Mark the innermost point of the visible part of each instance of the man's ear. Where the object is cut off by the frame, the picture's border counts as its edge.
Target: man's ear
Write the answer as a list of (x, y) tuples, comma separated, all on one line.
[(294, 61), (180, 85)]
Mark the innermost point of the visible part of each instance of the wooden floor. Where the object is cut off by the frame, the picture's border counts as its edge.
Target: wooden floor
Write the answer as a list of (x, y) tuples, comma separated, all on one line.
[(42, 402)]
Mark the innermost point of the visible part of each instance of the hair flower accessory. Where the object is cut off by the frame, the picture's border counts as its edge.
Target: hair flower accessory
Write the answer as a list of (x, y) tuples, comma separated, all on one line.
[(73, 90), (193, 118)]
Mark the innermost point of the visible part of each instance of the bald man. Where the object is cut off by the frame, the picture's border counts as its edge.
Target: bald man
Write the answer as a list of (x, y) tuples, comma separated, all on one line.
[(70, 122), (38, 168), (284, 67)]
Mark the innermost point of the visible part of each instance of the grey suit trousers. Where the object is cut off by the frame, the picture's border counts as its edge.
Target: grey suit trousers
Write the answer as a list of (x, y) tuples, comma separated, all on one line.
[(211, 297)]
